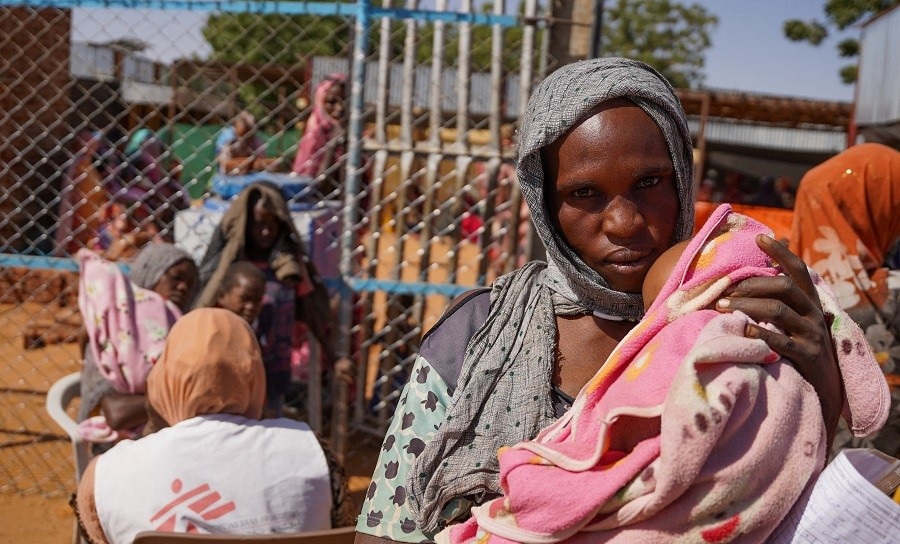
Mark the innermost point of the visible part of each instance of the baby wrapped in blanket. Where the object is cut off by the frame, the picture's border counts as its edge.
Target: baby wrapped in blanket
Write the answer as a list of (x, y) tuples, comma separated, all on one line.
[(690, 431)]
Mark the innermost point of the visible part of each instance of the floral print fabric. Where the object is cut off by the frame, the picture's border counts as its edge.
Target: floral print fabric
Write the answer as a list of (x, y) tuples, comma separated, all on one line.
[(126, 327), (423, 404)]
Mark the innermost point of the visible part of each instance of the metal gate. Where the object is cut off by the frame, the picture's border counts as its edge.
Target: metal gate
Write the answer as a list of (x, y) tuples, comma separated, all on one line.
[(120, 102)]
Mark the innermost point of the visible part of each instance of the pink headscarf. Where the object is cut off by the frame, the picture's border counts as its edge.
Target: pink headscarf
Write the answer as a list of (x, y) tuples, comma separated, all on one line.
[(320, 129)]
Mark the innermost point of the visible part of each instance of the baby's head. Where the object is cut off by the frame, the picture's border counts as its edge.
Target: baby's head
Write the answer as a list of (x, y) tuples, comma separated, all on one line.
[(242, 290), (659, 273)]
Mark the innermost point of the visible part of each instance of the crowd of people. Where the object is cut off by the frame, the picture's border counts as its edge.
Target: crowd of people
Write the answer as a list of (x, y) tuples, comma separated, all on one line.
[(655, 368), (736, 188), (118, 193)]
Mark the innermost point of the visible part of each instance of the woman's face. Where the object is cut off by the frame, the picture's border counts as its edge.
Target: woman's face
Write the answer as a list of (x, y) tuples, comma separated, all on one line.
[(263, 229), (177, 283), (610, 187), (333, 102)]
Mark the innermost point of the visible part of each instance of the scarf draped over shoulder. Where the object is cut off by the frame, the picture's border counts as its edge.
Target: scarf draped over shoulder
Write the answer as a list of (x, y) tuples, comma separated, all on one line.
[(503, 392)]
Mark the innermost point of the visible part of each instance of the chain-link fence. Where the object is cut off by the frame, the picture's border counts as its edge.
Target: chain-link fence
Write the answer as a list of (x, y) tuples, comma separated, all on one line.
[(388, 127)]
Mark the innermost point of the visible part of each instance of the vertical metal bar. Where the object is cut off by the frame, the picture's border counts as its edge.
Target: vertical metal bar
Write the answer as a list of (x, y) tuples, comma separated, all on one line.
[(543, 58), (407, 157), (526, 65), (351, 196), (432, 165), (526, 79), (433, 162), (494, 121), (597, 29), (463, 158), (406, 134), (376, 188)]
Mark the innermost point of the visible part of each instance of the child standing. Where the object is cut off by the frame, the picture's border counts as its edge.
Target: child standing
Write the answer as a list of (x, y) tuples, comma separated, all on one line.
[(257, 227), (242, 290)]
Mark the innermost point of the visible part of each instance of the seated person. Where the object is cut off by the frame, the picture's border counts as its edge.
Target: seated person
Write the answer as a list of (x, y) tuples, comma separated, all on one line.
[(246, 475), (239, 149), (124, 340), (121, 235), (242, 289), (689, 429)]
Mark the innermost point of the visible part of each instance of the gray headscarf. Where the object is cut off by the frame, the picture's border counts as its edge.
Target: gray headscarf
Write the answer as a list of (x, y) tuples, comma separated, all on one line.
[(504, 389), (152, 262), (563, 100)]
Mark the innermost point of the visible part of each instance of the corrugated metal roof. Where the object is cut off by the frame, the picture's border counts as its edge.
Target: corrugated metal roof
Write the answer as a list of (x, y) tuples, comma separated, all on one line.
[(479, 86), (99, 62), (878, 84), (768, 137)]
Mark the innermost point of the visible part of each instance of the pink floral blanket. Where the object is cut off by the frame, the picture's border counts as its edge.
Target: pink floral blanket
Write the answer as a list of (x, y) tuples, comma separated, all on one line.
[(690, 432), (126, 327)]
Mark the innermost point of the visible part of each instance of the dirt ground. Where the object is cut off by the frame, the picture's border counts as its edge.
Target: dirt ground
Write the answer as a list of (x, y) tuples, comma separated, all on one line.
[(36, 471)]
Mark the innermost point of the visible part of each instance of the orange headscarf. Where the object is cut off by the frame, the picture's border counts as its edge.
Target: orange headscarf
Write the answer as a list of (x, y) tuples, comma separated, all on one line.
[(846, 217), (211, 365)]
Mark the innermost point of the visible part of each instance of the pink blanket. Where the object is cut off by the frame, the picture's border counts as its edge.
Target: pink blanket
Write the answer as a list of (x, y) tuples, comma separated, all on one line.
[(126, 327), (690, 431)]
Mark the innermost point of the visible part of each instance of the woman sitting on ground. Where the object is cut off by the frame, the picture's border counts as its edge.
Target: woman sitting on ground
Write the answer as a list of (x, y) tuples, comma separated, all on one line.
[(243, 475)]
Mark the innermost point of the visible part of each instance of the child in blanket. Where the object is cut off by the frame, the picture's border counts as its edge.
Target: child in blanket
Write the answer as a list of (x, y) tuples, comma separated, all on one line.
[(690, 431)]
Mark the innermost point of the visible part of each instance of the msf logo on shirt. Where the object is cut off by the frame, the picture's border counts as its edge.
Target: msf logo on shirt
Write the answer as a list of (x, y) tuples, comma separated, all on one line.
[(201, 500)]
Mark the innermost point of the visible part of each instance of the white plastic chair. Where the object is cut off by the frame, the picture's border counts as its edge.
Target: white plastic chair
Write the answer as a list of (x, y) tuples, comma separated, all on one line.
[(59, 396)]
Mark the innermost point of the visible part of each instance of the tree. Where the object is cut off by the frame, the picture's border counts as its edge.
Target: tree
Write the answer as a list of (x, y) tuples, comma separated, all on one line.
[(840, 14), (670, 36), (275, 38)]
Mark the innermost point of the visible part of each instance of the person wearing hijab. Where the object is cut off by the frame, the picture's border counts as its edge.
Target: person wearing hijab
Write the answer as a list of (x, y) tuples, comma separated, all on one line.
[(126, 319), (147, 154), (258, 228), (213, 466), (605, 166), (238, 147), (322, 146), (846, 220)]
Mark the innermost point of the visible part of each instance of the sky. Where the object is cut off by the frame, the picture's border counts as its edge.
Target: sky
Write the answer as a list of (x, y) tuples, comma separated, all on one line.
[(749, 52)]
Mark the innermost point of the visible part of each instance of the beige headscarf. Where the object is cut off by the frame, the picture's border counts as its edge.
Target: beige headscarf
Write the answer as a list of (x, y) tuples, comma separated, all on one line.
[(211, 365)]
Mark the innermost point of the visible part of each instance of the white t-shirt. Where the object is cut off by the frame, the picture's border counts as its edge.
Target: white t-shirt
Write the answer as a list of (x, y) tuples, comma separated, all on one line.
[(215, 474)]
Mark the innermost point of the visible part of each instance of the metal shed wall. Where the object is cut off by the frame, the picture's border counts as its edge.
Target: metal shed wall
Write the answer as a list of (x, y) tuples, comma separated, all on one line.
[(878, 86)]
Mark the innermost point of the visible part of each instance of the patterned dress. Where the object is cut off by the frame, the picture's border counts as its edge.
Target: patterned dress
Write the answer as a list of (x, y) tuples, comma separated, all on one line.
[(420, 412)]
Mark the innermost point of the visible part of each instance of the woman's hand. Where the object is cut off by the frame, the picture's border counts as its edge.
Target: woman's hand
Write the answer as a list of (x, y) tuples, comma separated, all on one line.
[(791, 303)]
